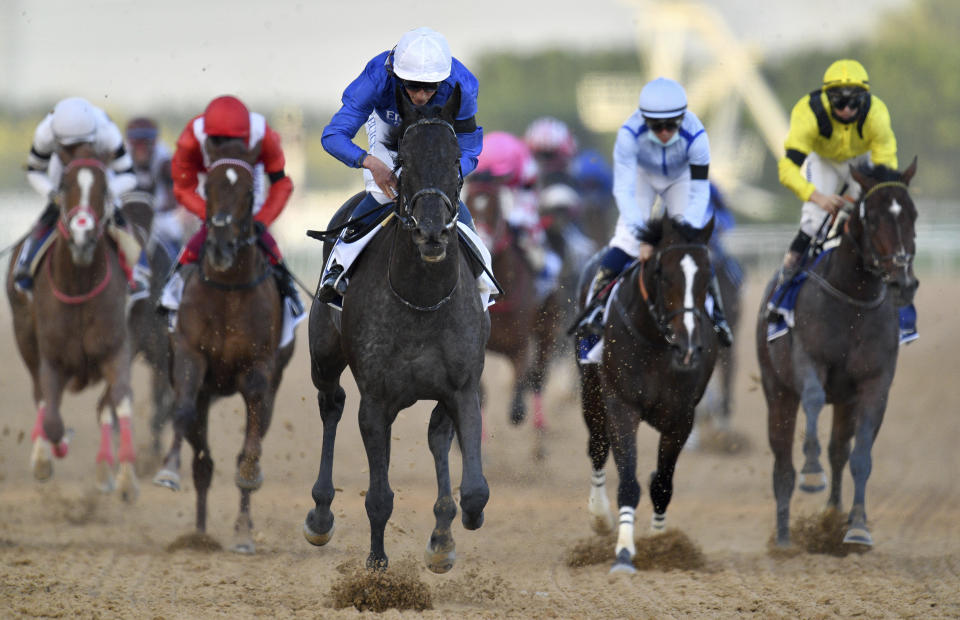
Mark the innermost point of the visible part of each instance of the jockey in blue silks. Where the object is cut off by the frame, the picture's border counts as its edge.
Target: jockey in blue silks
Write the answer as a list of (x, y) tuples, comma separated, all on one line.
[(661, 150), (421, 64)]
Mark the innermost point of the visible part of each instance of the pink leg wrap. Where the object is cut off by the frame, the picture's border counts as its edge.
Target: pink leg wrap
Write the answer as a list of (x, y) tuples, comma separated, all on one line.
[(538, 421), (126, 453), (106, 444)]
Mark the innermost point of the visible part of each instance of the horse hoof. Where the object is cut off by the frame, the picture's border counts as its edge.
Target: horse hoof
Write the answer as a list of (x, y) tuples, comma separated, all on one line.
[(440, 561), (40, 460), (104, 477), (813, 482), (245, 547), (248, 482), (858, 536), (127, 483), (624, 564), (317, 540), (602, 524), (472, 523), (167, 478)]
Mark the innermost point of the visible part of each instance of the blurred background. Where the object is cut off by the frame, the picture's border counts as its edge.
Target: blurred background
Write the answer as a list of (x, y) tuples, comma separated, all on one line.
[(744, 65)]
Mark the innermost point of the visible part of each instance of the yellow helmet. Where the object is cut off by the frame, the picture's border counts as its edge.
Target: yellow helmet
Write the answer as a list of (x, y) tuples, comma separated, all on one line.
[(846, 72)]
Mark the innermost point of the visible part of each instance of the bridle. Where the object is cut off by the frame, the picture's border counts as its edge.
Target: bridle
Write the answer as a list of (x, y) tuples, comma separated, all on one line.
[(219, 221), (661, 317), (404, 208), (873, 262)]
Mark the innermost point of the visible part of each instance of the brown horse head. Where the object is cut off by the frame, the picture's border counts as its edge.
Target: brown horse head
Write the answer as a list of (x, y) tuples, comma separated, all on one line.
[(428, 150), (485, 201), (230, 194), (83, 202), (883, 228), (674, 283)]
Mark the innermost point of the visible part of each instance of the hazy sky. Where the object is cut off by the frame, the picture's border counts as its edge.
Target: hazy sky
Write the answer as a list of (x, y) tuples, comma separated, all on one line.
[(178, 53)]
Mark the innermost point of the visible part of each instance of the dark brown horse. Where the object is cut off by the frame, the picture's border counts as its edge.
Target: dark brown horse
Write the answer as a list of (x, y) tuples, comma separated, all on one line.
[(147, 327), (843, 348), (659, 351), (71, 331), (522, 327), (227, 336), (412, 328)]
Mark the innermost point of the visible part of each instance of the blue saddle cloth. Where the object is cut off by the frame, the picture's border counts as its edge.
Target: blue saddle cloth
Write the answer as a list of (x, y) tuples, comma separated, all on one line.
[(784, 300)]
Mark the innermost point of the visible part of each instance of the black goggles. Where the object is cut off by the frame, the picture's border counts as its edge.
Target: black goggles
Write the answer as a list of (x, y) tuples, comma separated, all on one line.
[(841, 98), (659, 124), (429, 87)]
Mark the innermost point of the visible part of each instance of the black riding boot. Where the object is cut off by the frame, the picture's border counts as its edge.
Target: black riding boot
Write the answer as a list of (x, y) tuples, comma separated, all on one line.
[(332, 285), (22, 277), (592, 323), (287, 288), (799, 247), (720, 325)]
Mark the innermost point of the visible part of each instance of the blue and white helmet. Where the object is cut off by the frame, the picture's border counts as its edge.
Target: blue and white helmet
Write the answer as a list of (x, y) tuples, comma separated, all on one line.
[(422, 55), (663, 98)]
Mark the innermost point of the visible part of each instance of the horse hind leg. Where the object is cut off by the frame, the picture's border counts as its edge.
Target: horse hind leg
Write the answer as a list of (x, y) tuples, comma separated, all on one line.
[(598, 447), (319, 525), (441, 554), (624, 443), (105, 481), (781, 423)]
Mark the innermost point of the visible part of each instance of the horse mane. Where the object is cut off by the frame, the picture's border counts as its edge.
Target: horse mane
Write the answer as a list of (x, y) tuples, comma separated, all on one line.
[(654, 231), (879, 173)]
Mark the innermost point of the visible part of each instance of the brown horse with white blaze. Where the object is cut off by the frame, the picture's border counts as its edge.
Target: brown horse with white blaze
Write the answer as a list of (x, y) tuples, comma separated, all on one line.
[(71, 330)]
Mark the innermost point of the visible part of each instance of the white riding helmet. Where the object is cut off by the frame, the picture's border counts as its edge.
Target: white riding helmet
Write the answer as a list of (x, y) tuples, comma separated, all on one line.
[(422, 55), (663, 98), (74, 121)]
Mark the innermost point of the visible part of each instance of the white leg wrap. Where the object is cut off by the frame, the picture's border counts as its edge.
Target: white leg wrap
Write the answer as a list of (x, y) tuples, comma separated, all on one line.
[(625, 535), (658, 523), (599, 504), (125, 408)]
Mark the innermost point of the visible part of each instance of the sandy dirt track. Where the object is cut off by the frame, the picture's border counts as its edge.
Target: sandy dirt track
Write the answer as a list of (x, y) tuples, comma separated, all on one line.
[(66, 551)]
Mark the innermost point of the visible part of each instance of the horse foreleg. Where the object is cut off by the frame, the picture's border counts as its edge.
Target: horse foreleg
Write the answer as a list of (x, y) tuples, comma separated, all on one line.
[(48, 434), (622, 430), (375, 423), (844, 424), (255, 388), (813, 398), (195, 431), (187, 373), (120, 398), (441, 548), (104, 477), (598, 447), (661, 480), (521, 363), (474, 491), (872, 401), (781, 423), (318, 526)]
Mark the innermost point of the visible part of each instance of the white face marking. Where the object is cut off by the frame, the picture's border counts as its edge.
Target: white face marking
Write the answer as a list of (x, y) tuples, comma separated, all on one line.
[(689, 271), (231, 175), (83, 221), (895, 209)]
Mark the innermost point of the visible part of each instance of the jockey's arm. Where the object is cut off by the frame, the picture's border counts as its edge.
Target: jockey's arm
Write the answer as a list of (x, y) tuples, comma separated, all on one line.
[(470, 138), (697, 213), (121, 164), (358, 103), (38, 161), (625, 179), (883, 143), (799, 143), (281, 186), (186, 164)]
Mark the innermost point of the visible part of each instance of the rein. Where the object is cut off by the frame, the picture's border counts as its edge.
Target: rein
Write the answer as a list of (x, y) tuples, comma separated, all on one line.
[(78, 299), (407, 302)]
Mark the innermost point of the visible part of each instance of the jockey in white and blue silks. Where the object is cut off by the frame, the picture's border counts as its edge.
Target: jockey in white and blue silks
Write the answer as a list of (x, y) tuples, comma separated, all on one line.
[(421, 64), (662, 150)]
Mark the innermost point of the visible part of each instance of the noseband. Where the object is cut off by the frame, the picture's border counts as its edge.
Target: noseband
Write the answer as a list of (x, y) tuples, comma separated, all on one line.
[(405, 206), (872, 261), (661, 318)]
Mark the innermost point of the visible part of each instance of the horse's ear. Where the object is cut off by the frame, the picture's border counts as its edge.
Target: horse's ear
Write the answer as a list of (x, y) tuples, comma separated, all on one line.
[(910, 171), (707, 231), (253, 156), (452, 107), (404, 106), (863, 180)]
